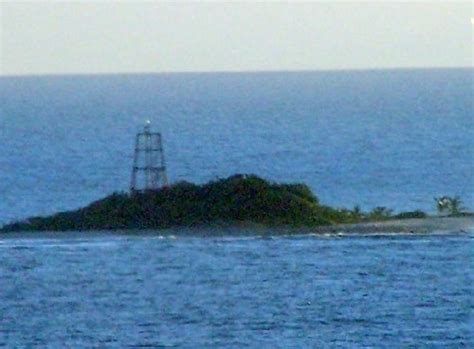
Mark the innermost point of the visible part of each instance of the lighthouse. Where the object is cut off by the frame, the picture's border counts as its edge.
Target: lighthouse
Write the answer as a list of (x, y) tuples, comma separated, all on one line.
[(149, 169)]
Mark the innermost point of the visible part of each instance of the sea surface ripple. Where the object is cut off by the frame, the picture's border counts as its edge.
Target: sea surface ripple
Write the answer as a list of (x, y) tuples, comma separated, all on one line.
[(131, 291)]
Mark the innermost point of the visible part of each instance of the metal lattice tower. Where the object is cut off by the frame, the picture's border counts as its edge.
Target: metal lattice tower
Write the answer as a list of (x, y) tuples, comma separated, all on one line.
[(149, 170)]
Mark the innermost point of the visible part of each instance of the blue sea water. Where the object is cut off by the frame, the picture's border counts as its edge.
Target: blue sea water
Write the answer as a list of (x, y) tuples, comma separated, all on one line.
[(113, 291), (391, 138)]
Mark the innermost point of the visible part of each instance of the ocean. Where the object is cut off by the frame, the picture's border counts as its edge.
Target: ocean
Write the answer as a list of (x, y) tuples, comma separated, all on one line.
[(119, 291), (394, 138)]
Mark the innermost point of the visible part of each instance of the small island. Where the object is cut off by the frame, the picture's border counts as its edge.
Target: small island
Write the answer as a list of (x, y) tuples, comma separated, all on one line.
[(236, 201)]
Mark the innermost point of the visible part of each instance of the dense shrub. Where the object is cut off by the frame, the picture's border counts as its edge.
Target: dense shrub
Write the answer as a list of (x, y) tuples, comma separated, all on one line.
[(239, 198), (411, 214), (231, 201)]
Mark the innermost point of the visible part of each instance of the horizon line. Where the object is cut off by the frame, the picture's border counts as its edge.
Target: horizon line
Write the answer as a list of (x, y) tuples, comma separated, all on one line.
[(81, 74)]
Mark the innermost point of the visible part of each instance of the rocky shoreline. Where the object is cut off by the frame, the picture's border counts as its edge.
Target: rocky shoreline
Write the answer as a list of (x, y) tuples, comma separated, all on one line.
[(426, 226)]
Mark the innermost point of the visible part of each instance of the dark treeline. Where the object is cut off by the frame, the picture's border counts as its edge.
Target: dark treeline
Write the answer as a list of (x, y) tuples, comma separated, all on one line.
[(236, 200)]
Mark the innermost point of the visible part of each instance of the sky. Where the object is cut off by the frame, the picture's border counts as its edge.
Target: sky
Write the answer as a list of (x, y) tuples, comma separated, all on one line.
[(78, 37)]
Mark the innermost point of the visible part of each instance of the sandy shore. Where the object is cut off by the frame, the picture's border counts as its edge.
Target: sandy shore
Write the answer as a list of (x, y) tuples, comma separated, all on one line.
[(414, 226), (432, 225)]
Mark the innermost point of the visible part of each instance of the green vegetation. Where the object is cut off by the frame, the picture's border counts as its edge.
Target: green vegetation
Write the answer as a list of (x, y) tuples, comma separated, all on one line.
[(451, 206), (411, 214), (380, 214), (237, 200)]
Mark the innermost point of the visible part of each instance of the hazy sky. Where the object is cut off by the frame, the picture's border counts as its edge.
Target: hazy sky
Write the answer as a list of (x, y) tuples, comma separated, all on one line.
[(103, 37)]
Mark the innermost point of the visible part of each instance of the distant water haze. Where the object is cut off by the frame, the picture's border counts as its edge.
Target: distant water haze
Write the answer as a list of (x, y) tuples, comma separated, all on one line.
[(393, 138)]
